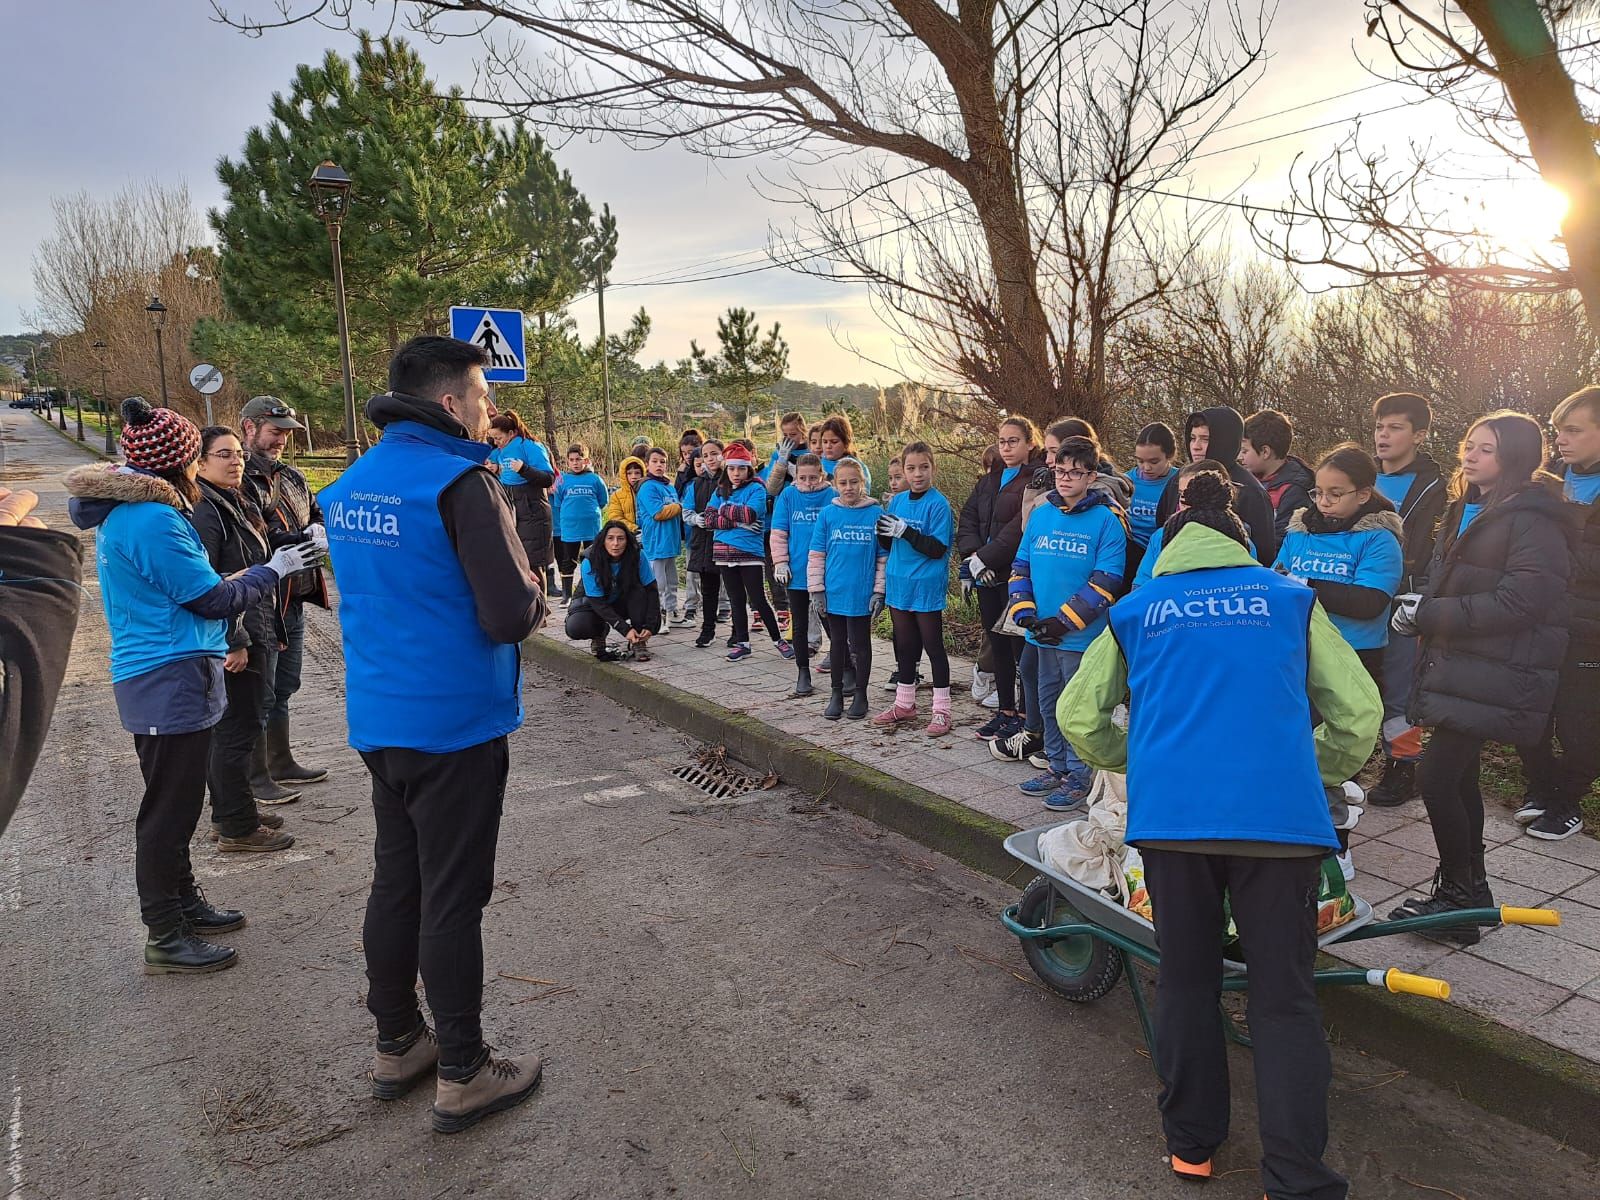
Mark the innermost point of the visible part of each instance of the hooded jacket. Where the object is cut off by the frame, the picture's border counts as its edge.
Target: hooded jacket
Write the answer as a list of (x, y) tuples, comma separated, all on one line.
[(1493, 619), (660, 514), (1586, 582), (227, 521), (1420, 509), (1213, 626), (1354, 567), (696, 497), (991, 519), (624, 502), (284, 498), (1289, 489), (1250, 498)]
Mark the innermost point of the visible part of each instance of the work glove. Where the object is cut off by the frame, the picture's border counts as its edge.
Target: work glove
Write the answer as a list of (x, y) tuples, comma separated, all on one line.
[(319, 534), (1051, 630), (819, 603), (782, 573), (875, 608), (1404, 621), (786, 447), (889, 526), (982, 575), (289, 559), (964, 578)]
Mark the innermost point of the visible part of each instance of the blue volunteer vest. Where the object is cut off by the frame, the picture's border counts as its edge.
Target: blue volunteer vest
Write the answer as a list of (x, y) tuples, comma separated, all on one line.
[(1219, 734), (420, 673)]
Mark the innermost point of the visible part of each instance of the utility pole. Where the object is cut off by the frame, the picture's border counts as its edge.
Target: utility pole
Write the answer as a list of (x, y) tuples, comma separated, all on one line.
[(605, 371)]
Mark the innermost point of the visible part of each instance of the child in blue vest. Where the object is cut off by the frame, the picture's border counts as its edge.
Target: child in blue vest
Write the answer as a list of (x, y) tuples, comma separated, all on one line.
[(917, 530), (737, 511), (580, 499), (794, 519), (1153, 453), (1069, 567), (845, 575), (660, 515)]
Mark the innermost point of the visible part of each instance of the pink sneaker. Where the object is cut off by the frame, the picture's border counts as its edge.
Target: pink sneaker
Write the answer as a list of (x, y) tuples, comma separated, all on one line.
[(893, 715), (939, 726)]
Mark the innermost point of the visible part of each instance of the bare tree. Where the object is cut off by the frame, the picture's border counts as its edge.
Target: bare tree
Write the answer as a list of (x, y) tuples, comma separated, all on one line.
[(1036, 133), (1504, 67)]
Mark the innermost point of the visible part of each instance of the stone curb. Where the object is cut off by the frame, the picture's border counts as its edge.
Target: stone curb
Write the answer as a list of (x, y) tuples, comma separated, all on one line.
[(1500, 1070)]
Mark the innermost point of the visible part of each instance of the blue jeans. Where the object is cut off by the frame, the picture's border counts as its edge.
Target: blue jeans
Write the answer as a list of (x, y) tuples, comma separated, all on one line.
[(1399, 670), (1056, 669), (283, 675)]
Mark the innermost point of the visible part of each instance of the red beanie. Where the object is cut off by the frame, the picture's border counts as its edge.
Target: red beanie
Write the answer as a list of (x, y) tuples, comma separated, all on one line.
[(157, 439), (735, 453)]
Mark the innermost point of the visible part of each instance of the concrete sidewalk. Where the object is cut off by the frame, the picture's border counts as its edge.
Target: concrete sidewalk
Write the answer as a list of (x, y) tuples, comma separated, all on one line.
[(1544, 983)]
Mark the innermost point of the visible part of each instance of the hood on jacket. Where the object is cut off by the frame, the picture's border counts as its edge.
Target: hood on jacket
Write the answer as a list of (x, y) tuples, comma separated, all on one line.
[(97, 488), (389, 407), (1425, 466), (1376, 513), (1227, 432), (622, 471), (1294, 470), (1199, 547)]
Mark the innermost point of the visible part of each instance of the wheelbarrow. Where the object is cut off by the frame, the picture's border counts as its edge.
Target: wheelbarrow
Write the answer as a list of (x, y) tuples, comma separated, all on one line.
[(1079, 941)]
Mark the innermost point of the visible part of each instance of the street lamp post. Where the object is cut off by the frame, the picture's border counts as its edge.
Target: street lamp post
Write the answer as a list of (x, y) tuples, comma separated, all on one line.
[(77, 397), (330, 195), (158, 320), (105, 398)]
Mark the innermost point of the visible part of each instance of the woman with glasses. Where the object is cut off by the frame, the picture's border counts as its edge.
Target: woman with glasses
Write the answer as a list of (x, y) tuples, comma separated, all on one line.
[(234, 535), (987, 538)]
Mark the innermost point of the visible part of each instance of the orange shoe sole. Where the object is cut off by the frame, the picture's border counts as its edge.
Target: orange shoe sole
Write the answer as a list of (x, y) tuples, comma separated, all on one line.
[(1190, 1172)]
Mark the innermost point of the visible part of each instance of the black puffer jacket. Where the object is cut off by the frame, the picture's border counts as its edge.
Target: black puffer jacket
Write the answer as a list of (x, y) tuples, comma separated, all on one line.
[(1493, 619), (700, 540), (284, 497), (991, 519), (234, 535), (1250, 500), (1419, 513)]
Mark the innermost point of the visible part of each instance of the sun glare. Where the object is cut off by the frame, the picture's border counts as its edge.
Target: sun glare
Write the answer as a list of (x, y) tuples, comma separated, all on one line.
[(1521, 216)]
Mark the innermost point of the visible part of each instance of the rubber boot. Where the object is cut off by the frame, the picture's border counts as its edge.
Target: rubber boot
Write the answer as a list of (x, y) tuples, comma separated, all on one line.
[(858, 705), (262, 785), (847, 680), (174, 950), (835, 708), (280, 758), (802, 682)]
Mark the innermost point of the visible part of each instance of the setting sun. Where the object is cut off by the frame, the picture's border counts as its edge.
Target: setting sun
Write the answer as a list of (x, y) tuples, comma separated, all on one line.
[(1522, 216)]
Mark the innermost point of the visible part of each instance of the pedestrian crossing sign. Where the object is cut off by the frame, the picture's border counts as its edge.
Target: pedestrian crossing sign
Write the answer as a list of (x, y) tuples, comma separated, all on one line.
[(498, 332)]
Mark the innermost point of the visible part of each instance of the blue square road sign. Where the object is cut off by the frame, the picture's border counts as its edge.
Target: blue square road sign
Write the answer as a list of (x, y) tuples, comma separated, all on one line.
[(499, 332)]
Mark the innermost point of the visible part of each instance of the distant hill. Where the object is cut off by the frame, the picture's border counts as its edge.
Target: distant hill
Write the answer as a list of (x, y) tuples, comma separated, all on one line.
[(19, 344)]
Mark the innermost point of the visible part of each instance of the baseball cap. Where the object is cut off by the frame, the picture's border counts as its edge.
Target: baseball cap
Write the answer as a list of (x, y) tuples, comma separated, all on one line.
[(271, 411)]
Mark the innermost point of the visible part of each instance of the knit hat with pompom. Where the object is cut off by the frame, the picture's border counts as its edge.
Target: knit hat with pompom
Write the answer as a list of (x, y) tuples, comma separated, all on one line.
[(157, 439)]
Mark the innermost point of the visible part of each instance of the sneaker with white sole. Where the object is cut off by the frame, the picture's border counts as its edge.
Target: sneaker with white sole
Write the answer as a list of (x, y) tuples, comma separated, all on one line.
[(1347, 865), (992, 700), (1553, 827), (1531, 810), (1038, 761), (1042, 784), (1017, 747)]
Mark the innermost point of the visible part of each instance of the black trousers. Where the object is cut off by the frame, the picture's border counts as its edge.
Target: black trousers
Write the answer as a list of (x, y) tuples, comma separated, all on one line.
[(710, 591), (1274, 904), (850, 641), (800, 626), (916, 634), (174, 770), (438, 822), (584, 624), (1006, 650), (1447, 777), (745, 592), (1560, 780), (567, 556), (233, 808)]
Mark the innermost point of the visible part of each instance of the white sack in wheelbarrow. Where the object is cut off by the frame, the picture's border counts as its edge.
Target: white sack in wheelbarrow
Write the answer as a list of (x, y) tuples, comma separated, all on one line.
[(1090, 851)]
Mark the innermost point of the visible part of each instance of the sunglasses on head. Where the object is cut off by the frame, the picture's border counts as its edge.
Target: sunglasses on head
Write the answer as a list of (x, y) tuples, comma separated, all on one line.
[(278, 410)]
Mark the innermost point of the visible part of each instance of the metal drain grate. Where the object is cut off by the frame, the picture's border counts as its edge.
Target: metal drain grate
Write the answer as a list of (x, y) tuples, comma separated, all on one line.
[(711, 774)]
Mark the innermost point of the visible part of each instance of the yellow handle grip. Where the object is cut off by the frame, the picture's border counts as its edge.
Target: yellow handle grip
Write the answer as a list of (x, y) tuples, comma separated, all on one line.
[(1397, 980), (1528, 916)]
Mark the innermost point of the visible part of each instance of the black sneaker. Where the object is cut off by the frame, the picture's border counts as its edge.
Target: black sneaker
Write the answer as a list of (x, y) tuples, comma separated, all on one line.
[(705, 639), (1017, 747), (999, 726), (1532, 809), (1398, 785), (1553, 827)]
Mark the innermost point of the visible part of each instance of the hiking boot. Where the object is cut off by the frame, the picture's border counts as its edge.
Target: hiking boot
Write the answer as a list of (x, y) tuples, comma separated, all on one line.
[(268, 818), (499, 1084), (262, 786), (1554, 827), (400, 1065), (261, 840), (1447, 896), (280, 758), (1017, 747), (205, 919), (858, 705), (1397, 786), (175, 950), (802, 683), (835, 708)]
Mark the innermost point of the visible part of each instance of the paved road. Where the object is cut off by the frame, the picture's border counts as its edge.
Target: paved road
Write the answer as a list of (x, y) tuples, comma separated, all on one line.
[(769, 999)]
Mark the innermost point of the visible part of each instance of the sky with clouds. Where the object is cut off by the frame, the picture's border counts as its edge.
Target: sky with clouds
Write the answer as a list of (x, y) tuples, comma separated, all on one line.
[(104, 91)]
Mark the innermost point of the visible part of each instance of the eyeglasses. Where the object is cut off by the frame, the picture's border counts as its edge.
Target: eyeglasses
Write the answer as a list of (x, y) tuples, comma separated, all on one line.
[(1330, 494), (225, 454), (1011, 443), (1072, 474)]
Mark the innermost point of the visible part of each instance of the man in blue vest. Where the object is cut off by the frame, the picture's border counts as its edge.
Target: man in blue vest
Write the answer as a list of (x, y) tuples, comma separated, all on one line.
[(1215, 647), (426, 554)]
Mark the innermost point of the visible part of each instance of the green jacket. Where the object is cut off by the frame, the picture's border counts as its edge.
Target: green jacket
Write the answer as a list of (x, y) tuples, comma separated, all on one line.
[(1337, 683)]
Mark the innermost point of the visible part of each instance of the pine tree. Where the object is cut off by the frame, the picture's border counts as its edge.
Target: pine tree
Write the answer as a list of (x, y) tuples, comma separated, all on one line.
[(747, 361)]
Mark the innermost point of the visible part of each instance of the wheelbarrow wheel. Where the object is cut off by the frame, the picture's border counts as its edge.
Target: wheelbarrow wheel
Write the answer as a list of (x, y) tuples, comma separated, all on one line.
[(1081, 967)]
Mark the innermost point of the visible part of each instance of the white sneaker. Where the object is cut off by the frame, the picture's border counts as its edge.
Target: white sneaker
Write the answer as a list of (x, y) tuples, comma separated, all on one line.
[(992, 700), (1347, 865), (982, 685)]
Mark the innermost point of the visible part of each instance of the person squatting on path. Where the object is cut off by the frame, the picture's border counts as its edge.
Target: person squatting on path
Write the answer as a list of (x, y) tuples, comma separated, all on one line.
[(168, 610), (1252, 827), (421, 538), (845, 573), (284, 498), (917, 531), (526, 474), (234, 535), (618, 591), (1492, 619), (794, 520)]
